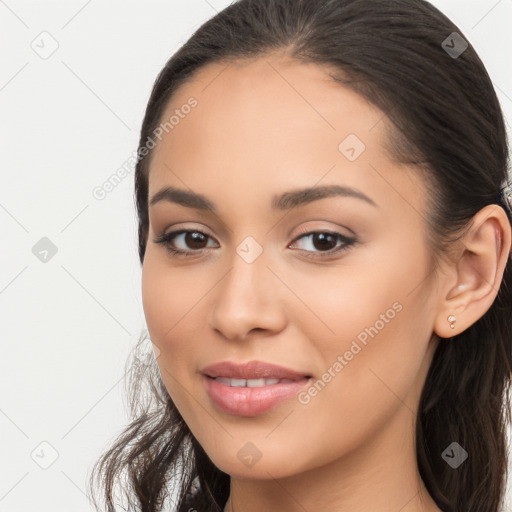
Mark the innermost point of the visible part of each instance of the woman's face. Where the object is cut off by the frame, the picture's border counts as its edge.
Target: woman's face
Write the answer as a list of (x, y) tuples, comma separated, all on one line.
[(354, 310)]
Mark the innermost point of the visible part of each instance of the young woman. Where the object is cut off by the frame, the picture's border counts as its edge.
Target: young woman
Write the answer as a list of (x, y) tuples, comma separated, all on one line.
[(325, 243)]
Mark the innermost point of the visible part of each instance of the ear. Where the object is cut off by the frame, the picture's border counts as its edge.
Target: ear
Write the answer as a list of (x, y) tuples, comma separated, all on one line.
[(470, 282)]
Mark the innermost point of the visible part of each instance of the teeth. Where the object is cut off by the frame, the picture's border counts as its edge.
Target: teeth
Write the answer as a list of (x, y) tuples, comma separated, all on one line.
[(251, 383), (257, 383)]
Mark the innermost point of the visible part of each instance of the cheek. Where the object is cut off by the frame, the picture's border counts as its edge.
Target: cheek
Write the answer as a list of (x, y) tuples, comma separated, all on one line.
[(168, 309), (372, 371), (175, 307), (373, 335), (168, 297)]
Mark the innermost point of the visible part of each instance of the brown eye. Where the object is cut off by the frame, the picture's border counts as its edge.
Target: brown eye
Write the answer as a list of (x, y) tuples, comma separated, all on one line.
[(195, 239), (194, 242), (322, 243), (325, 242)]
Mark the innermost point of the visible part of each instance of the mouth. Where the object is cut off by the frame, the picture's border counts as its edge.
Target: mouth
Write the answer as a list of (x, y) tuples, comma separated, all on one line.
[(253, 383), (251, 397), (251, 388), (252, 373)]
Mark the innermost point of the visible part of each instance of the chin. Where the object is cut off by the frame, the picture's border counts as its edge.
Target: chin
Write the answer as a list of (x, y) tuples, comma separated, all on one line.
[(263, 469)]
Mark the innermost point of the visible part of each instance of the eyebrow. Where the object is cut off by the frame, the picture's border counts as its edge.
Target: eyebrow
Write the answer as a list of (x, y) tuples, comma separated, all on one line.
[(284, 201)]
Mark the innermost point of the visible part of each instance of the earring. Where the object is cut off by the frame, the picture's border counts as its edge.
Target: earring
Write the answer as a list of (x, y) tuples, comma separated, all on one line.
[(452, 321)]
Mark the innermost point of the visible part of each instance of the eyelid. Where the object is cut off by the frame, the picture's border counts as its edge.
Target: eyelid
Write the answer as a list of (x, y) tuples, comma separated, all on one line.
[(188, 229), (334, 231)]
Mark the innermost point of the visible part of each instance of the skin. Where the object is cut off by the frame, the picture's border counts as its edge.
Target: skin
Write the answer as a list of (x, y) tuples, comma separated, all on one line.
[(261, 128)]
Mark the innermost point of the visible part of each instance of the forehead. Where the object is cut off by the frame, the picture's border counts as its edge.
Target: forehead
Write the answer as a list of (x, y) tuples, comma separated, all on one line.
[(266, 120), (262, 95)]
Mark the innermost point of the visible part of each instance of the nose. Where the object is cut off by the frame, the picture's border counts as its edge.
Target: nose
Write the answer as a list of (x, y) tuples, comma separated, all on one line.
[(248, 298)]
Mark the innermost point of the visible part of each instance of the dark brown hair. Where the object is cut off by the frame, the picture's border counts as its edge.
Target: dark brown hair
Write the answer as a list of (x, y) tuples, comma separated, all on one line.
[(446, 121)]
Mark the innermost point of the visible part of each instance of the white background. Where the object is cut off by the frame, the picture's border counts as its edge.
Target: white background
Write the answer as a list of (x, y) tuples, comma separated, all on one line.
[(67, 123)]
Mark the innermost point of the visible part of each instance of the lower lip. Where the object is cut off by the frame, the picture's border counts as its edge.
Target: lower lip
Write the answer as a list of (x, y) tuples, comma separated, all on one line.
[(245, 401)]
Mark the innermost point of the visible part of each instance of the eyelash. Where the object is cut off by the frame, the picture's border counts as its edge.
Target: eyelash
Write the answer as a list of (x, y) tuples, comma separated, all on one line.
[(166, 238)]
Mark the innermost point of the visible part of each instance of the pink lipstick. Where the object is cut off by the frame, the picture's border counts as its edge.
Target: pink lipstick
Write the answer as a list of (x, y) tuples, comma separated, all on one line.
[(252, 388)]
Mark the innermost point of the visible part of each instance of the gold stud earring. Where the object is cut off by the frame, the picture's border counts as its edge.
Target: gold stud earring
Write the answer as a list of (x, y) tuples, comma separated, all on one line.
[(452, 321)]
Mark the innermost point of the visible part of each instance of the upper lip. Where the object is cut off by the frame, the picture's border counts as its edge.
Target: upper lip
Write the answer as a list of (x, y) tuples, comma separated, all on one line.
[(252, 370)]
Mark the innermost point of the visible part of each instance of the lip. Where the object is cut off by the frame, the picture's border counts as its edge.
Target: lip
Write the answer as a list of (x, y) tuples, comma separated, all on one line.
[(251, 401), (246, 401), (252, 370)]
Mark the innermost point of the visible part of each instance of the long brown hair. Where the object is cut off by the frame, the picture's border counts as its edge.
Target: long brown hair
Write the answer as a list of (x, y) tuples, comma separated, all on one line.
[(447, 122)]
